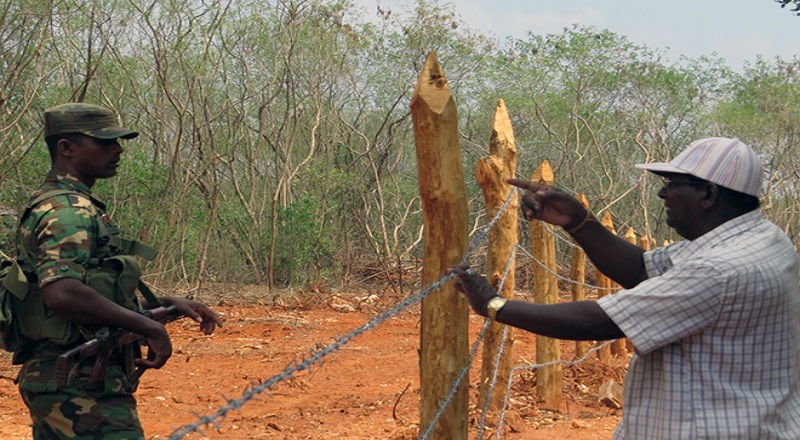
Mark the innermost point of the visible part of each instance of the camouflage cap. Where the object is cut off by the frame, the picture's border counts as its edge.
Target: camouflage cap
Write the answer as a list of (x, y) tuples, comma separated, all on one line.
[(89, 119)]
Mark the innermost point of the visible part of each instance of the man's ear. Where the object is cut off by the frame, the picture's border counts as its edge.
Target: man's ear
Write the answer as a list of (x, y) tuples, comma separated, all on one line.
[(65, 147), (711, 196)]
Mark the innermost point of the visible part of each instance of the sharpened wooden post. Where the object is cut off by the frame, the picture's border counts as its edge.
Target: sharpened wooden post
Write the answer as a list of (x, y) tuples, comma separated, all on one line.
[(491, 172), (604, 287), (622, 347), (444, 343), (548, 379), (578, 276), (642, 242)]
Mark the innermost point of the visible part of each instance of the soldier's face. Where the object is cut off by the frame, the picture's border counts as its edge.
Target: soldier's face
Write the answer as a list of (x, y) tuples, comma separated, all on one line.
[(94, 158)]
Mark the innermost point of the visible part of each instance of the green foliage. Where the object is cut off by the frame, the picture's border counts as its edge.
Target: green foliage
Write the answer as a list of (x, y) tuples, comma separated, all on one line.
[(139, 183), (304, 244), (764, 110), (17, 184), (593, 104), (794, 5), (292, 117)]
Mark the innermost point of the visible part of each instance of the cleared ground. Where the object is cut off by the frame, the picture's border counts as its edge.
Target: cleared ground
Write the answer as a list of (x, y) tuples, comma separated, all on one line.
[(367, 390)]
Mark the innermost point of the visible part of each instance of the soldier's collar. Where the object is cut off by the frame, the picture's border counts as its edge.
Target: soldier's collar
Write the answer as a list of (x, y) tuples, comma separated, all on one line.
[(68, 180)]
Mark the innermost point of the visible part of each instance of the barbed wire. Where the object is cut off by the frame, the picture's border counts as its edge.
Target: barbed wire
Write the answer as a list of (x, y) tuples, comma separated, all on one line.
[(561, 277), (217, 418), (463, 373), (498, 432), (453, 390), (500, 350)]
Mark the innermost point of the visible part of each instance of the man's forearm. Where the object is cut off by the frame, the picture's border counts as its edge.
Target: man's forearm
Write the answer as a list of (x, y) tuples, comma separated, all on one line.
[(614, 256), (577, 321), (79, 303)]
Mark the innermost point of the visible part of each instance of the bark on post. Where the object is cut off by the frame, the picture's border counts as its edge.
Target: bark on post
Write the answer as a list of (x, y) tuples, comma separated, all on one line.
[(548, 379), (642, 242), (630, 236), (578, 276), (604, 286), (443, 337), (491, 173)]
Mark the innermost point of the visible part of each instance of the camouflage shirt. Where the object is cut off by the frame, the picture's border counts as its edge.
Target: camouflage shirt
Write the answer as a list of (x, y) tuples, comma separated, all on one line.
[(59, 236)]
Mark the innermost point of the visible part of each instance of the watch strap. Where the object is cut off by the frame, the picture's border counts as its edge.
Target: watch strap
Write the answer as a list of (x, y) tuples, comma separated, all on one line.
[(492, 309)]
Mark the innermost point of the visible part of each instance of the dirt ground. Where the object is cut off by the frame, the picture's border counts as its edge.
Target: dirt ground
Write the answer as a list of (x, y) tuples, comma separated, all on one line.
[(369, 389)]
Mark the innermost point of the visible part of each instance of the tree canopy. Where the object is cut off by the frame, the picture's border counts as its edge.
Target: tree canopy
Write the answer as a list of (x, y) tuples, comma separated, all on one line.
[(276, 140), (794, 5)]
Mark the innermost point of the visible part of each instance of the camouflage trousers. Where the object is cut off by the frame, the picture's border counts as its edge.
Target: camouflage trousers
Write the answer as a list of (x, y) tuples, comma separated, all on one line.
[(80, 410)]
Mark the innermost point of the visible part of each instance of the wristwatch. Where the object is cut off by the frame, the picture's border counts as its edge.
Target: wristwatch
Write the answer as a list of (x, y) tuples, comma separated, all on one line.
[(494, 305)]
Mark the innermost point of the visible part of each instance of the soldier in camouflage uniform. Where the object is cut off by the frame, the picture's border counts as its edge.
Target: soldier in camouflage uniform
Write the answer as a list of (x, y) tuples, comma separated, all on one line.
[(60, 240)]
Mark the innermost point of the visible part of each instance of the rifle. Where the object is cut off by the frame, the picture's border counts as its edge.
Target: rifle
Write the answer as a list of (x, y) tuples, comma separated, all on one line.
[(105, 340)]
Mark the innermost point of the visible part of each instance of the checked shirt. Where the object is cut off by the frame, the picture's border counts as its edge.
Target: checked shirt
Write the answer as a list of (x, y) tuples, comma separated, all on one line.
[(716, 337)]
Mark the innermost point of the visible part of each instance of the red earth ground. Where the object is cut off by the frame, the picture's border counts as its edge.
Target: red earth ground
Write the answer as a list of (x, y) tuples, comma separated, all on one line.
[(369, 389)]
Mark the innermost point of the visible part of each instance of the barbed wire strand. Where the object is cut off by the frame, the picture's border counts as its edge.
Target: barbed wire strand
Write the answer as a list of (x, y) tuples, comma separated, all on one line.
[(463, 373), (561, 277), (216, 418), (484, 232), (219, 416), (499, 432), (500, 351), (453, 390)]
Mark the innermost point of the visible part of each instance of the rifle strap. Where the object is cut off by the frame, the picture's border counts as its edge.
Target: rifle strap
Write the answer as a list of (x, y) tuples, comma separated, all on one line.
[(133, 247), (152, 299)]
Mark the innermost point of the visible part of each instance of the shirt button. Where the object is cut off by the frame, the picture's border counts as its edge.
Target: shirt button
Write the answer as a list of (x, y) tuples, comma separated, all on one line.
[(63, 268)]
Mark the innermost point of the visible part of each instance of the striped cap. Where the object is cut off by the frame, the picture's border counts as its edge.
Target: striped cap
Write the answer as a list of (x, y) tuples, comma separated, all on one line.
[(726, 162)]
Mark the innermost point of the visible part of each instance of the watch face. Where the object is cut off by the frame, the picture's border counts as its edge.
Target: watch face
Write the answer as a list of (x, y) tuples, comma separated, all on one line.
[(496, 303)]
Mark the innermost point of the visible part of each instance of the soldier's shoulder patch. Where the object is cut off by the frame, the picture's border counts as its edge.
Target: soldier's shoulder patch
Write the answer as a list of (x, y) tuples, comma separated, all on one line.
[(79, 201)]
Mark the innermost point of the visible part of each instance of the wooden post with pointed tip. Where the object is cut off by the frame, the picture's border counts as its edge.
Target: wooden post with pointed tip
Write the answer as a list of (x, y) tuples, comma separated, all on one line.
[(491, 172), (444, 344), (605, 285), (624, 346), (578, 277), (548, 379), (643, 242)]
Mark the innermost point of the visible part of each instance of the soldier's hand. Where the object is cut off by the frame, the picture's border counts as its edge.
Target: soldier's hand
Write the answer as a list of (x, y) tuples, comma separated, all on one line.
[(475, 286), (550, 204), (159, 348), (197, 311)]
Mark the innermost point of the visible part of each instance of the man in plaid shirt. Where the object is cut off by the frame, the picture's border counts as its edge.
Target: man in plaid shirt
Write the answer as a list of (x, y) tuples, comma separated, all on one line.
[(713, 319)]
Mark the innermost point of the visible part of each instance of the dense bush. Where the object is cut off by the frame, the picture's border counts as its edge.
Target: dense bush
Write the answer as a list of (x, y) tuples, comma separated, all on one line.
[(276, 138)]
